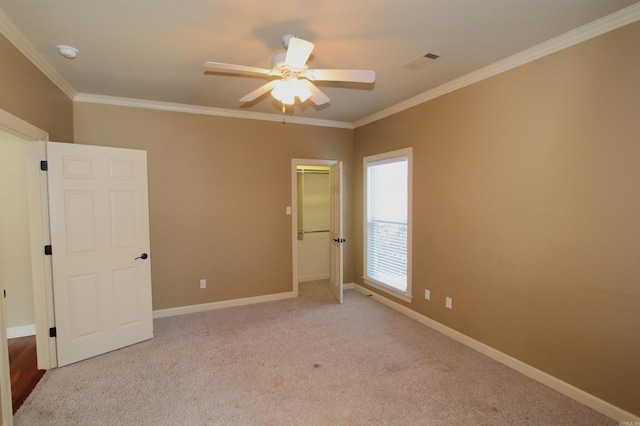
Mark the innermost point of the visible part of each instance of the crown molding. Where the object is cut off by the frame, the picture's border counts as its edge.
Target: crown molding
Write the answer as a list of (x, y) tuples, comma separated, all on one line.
[(15, 35), (608, 23), (603, 25), (194, 109)]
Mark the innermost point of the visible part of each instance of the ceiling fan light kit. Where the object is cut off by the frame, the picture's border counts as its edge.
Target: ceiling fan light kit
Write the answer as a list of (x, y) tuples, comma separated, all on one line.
[(294, 75), (288, 89)]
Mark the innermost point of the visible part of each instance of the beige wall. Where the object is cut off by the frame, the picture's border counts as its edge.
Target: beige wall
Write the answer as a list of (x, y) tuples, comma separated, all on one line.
[(218, 192), (527, 211), (27, 93)]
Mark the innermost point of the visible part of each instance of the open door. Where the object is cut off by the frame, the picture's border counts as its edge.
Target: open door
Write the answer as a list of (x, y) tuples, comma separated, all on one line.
[(335, 230), (100, 243)]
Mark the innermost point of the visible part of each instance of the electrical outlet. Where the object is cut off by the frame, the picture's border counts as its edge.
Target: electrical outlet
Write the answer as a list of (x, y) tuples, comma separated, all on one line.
[(203, 283), (427, 294), (449, 303)]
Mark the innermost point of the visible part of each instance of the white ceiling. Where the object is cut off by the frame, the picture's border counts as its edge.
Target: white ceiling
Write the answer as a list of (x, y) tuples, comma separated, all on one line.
[(155, 50)]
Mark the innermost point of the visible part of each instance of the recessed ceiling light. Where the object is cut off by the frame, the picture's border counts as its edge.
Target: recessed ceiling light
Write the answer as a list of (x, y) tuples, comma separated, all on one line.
[(67, 51)]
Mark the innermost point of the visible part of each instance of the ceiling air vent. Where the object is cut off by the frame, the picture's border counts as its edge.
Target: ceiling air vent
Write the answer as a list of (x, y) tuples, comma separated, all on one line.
[(421, 61)]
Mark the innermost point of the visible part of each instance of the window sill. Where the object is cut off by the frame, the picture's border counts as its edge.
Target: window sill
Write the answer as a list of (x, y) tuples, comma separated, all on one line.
[(389, 290)]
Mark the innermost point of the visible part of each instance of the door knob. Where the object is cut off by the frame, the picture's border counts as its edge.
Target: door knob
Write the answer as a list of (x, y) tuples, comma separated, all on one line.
[(142, 256)]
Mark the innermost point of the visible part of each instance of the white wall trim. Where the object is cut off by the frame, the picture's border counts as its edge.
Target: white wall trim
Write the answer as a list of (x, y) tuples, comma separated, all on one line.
[(18, 38), (21, 331), (162, 313), (306, 278), (603, 25), (194, 109), (546, 379), (19, 127)]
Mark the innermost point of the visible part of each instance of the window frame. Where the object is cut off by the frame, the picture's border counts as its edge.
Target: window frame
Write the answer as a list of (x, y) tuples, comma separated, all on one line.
[(385, 156)]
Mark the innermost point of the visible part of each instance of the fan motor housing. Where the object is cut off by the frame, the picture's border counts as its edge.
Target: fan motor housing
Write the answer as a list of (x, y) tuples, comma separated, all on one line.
[(277, 63)]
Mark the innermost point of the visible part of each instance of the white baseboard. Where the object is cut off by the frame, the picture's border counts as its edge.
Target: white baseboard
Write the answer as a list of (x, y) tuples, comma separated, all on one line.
[(161, 313), (313, 278), (554, 383), (22, 331)]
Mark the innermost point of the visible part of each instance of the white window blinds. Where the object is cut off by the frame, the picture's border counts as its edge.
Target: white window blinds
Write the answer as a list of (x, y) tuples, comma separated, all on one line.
[(387, 221)]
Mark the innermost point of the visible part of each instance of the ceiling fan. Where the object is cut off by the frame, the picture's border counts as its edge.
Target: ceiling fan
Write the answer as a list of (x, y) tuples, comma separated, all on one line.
[(291, 75)]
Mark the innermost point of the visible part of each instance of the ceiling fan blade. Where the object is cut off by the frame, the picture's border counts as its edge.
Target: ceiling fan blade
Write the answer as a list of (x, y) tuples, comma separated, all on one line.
[(259, 91), (317, 96), (298, 53), (236, 69), (356, 76)]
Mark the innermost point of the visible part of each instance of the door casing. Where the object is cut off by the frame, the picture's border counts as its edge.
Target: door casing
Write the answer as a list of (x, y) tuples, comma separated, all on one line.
[(41, 272)]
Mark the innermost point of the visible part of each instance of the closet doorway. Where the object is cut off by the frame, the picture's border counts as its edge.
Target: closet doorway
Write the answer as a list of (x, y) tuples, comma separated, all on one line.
[(313, 223), (317, 223)]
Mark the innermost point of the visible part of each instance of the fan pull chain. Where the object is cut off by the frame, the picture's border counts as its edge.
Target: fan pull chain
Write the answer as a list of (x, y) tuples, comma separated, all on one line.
[(283, 109)]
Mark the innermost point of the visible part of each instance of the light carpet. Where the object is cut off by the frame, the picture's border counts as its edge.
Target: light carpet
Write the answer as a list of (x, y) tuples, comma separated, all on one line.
[(302, 361)]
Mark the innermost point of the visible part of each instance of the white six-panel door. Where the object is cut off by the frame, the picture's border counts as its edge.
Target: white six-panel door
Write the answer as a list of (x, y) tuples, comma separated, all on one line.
[(100, 249), (335, 230)]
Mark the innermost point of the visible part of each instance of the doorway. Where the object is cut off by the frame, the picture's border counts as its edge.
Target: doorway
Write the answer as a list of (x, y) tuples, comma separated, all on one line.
[(321, 227), (16, 268), (26, 276), (15, 238), (313, 223)]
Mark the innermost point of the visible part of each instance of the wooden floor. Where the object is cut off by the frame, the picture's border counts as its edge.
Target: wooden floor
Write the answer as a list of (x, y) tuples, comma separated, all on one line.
[(24, 368)]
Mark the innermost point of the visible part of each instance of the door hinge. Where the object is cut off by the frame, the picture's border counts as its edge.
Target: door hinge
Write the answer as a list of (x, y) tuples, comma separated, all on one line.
[(52, 332), (44, 166), (47, 250)]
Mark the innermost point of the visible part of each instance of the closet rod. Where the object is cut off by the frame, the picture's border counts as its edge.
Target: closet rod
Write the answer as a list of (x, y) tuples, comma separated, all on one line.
[(313, 172)]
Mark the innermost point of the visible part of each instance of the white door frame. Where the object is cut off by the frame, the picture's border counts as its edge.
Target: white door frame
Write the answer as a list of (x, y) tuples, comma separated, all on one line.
[(6, 401), (295, 162), (30, 133), (41, 272)]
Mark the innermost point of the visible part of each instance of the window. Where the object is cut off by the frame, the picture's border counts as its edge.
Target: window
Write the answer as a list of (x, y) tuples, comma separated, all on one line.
[(387, 233)]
